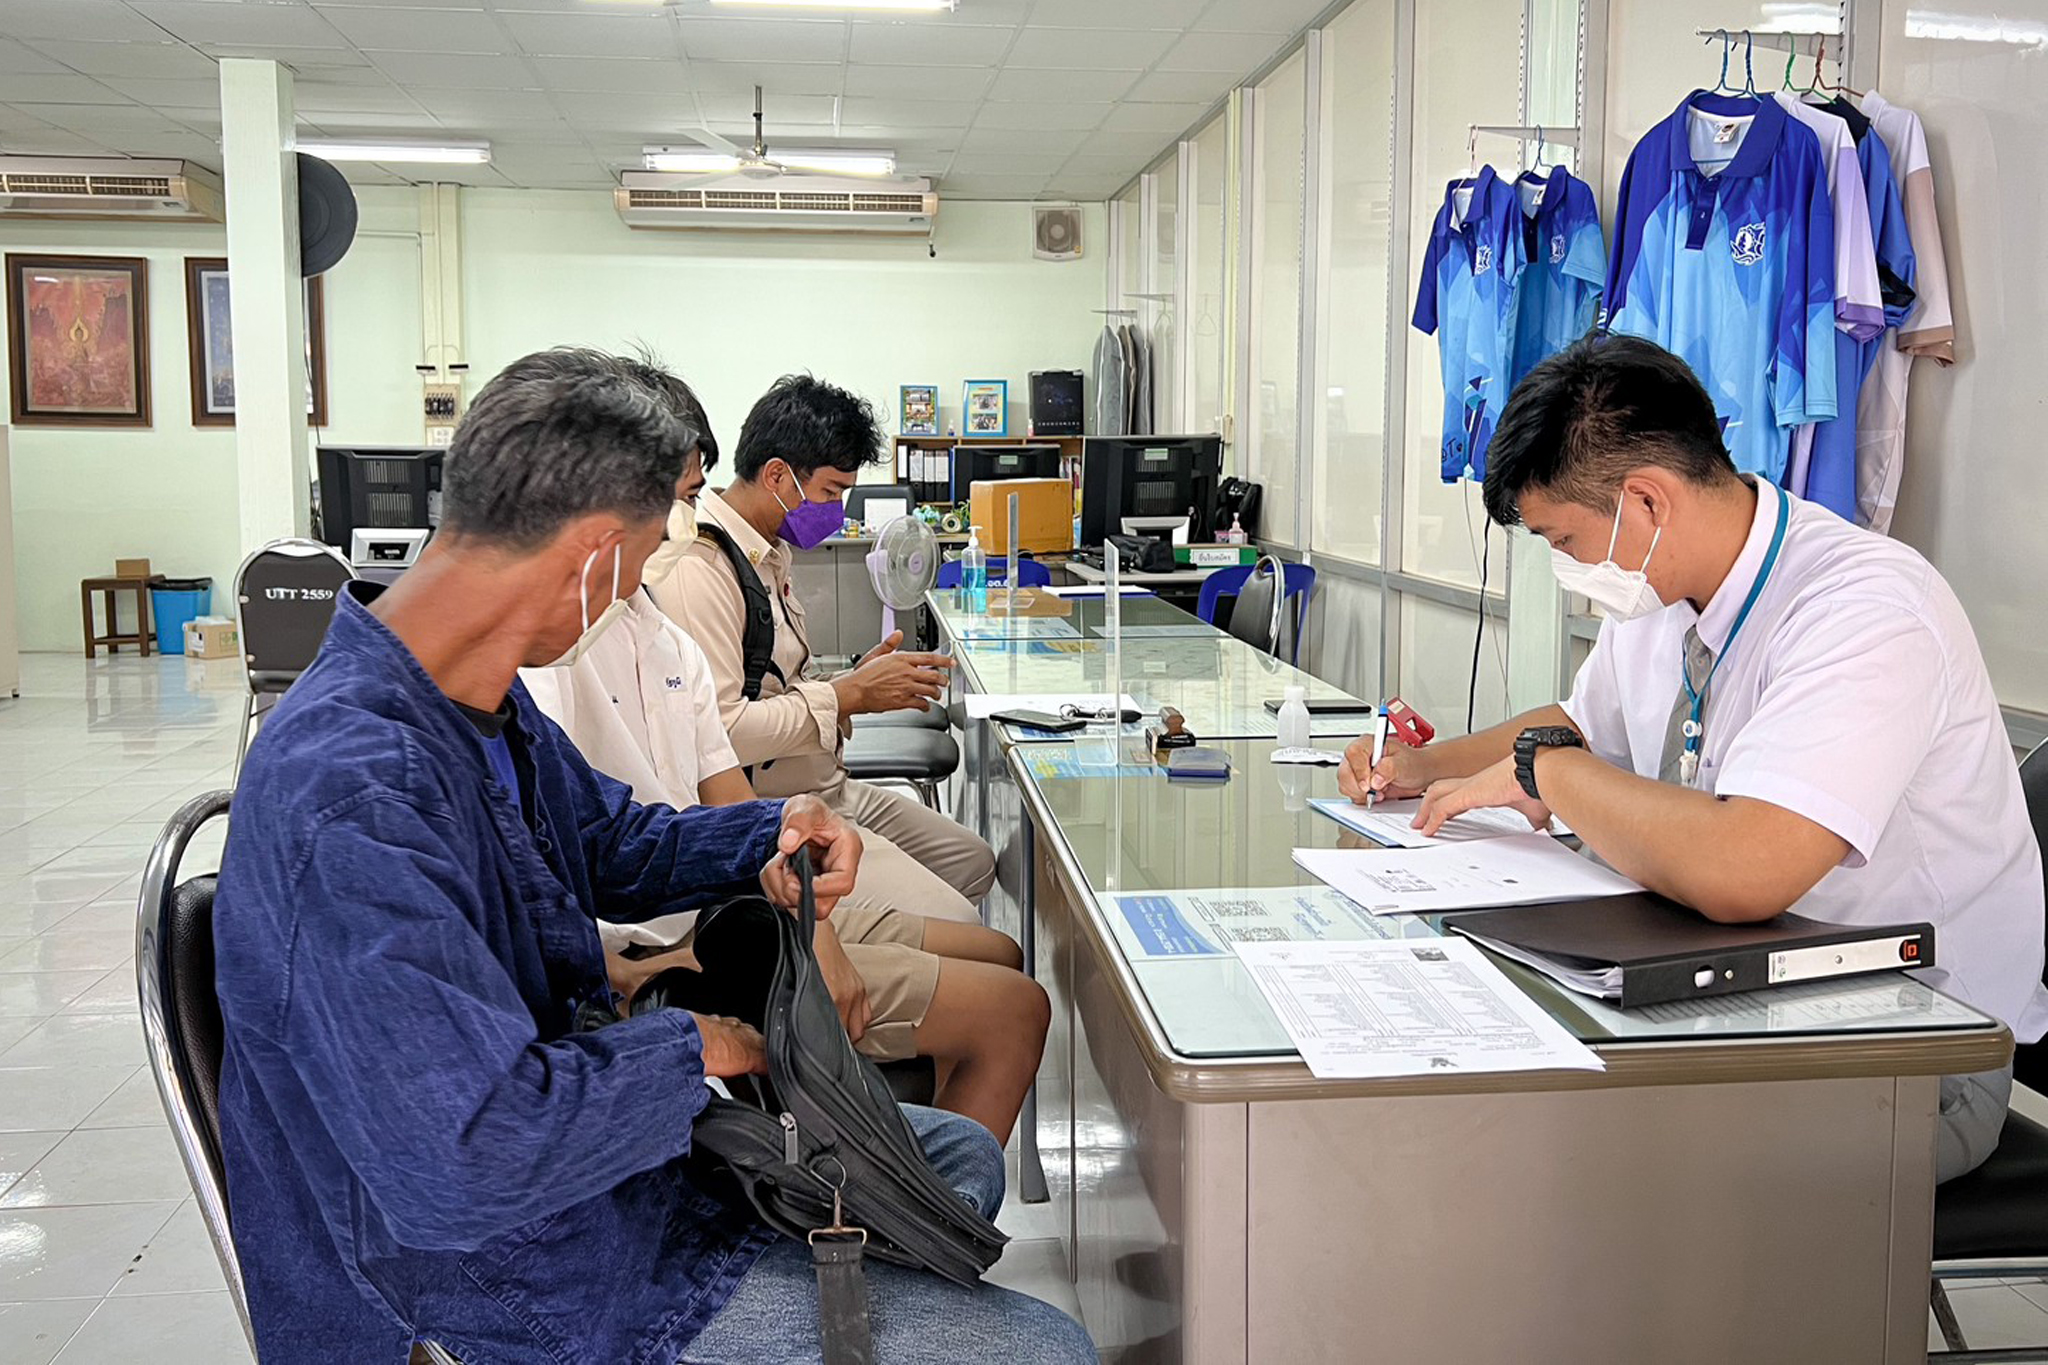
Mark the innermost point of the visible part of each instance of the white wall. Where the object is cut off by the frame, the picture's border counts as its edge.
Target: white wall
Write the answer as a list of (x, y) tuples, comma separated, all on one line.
[(730, 311)]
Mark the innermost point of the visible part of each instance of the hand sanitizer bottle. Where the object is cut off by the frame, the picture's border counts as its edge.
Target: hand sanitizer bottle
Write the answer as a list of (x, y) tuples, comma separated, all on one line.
[(1294, 728), (974, 573)]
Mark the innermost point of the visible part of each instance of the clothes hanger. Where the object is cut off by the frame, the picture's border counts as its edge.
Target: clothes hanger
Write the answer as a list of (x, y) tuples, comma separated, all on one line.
[(1749, 65), (1721, 86)]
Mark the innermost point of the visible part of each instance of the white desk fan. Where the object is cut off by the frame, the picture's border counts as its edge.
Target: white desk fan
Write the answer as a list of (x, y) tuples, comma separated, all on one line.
[(903, 566)]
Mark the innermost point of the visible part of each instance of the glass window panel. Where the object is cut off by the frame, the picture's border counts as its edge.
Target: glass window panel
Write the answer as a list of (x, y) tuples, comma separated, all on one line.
[(1436, 665), (1351, 328), (1209, 276), (1275, 334), (1166, 376), (1130, 249)]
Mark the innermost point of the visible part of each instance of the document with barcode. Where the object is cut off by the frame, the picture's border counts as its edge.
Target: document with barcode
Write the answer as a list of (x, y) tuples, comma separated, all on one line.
[(1513, 869), (1407, 1007)]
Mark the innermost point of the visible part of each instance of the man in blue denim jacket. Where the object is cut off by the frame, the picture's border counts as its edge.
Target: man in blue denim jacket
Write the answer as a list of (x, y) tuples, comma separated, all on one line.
[(424, 1138)]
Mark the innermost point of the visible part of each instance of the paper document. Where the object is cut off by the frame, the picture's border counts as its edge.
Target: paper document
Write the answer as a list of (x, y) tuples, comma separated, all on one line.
[(1519, 869), (1092, 590), (1393, 823), (1407, 1007), (982, 705), (1192, 630), (1021, 628), (1178, 924), (1051, 762)]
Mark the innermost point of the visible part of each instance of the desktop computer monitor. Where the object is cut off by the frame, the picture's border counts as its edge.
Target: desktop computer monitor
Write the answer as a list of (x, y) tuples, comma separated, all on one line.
[(1149, 485), (986, 464), (377, 488)]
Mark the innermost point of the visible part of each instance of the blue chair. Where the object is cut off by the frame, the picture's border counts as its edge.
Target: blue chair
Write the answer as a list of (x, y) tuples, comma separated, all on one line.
[(1030, 573), (1298, 580)]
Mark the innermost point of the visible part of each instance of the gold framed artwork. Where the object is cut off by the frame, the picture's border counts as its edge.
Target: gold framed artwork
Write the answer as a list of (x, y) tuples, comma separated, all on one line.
[(210, 343), (78, 340)]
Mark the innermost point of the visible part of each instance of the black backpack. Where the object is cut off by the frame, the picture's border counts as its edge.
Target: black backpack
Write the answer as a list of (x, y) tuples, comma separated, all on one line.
[(757, 644)]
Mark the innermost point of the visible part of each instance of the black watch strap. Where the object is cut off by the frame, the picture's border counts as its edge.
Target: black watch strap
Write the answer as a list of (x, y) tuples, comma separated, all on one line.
[(1540, 737)]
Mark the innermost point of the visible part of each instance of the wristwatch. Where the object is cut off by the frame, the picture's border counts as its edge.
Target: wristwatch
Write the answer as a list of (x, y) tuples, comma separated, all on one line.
[(1540, 737)]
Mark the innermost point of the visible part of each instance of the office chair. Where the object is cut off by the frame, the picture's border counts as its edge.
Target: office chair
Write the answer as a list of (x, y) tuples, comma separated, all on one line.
[(1993, 1222), (284, 598), (1257, 616), (182, 1028), (912, 753), (1030, 573)]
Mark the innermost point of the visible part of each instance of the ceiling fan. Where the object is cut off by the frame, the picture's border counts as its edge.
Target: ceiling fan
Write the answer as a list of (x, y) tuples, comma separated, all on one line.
[(720, 158)]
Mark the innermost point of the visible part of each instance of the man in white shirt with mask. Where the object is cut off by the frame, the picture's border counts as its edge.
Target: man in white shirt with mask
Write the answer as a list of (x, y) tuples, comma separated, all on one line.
[(1782, 711)]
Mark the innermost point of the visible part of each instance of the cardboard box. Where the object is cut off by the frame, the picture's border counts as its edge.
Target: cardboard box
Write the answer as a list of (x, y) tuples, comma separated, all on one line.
[(1045, 514), (131, 568), (212, 637)]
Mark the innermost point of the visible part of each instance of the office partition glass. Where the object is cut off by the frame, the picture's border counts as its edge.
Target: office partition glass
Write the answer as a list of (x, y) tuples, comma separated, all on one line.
[(1208, 277), (1274, 351), (1162, 324)]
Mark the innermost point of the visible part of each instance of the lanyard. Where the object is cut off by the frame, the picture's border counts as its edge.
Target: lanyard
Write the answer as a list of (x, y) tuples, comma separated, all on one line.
[(1689, 761)]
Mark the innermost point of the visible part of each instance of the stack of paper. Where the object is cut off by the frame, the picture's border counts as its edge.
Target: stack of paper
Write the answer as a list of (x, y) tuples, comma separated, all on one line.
[(1516, 869), (1392, 823)]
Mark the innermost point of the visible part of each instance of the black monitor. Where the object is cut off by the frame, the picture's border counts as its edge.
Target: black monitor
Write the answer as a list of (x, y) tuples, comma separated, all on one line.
[(985, 464), (377, 487), (1151, 479)]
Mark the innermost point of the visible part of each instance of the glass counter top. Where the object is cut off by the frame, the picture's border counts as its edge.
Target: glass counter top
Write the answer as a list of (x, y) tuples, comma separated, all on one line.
[(1132, 837)]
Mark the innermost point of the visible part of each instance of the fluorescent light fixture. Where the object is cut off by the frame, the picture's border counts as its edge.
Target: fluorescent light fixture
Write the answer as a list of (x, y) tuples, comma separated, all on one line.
[(437, 153), (923, 6), (825, 160)]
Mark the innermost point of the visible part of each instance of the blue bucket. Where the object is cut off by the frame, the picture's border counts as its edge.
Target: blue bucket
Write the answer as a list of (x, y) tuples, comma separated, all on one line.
[(178, 601)]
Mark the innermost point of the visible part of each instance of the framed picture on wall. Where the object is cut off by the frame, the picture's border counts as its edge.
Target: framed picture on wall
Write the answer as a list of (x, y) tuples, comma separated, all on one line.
[(919, 408), (986, 404), (78, 340), (210, 342)]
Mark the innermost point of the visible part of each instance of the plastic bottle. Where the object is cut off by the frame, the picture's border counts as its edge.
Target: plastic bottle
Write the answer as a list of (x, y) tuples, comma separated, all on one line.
[(1236, 534), (974, 573), (1294, 729)]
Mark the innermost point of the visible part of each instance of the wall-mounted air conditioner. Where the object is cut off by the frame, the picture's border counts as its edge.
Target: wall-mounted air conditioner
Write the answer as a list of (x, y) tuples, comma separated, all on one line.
[(109, 187), (789, 203)]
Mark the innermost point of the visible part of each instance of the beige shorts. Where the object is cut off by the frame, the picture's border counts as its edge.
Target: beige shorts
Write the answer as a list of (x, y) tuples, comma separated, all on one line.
[(887, 948)]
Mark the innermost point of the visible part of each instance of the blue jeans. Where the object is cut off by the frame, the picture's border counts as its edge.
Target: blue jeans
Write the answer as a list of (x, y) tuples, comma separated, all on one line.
[(917, 1318)]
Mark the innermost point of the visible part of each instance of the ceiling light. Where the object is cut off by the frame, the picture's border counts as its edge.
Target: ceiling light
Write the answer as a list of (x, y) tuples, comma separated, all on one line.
[(926, 6), (827, 160), (440, 153), (668, 159)]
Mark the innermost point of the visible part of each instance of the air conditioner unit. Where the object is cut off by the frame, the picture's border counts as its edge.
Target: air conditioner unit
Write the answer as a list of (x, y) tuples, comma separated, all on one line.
[(109, 187), (789, 203)]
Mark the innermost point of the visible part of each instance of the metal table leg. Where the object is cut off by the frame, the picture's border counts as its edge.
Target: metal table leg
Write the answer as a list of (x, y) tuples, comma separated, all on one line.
[(1030, 1168)]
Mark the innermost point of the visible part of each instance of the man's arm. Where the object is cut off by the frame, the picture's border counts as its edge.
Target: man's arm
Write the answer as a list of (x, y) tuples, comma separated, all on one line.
[(728, 788), (1406, 772)]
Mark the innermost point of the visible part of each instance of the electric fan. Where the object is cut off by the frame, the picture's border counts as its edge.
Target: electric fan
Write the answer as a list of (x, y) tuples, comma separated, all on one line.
[(904, 564)]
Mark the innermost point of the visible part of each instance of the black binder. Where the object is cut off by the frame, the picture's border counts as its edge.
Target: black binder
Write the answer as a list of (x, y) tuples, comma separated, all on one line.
[(1642, 949)]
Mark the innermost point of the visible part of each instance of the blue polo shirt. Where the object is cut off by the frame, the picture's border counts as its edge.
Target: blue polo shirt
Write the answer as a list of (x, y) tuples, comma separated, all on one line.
[(1724, 253), (1466, 299), (420, 1141), (1563, 267)]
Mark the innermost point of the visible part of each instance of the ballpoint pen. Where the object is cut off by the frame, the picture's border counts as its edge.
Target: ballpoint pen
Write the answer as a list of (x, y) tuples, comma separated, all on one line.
[(1379, 751)]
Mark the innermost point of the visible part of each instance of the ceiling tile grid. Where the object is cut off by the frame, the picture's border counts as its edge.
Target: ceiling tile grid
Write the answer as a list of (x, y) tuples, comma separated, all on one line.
[(1012, 99)]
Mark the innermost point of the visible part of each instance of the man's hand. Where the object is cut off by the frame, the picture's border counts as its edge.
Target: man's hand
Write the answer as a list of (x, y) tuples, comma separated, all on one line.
[(835, 854), (1489, 787), (1402, 773), (888, 646), (849, 992), (892, 679), (730, 1047)]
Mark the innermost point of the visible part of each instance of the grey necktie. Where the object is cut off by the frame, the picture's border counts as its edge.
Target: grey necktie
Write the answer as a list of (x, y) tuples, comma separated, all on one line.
[(1699, 662)]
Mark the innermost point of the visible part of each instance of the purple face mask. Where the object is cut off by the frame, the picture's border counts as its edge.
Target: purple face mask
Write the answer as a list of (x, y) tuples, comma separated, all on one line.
[(810, 524)]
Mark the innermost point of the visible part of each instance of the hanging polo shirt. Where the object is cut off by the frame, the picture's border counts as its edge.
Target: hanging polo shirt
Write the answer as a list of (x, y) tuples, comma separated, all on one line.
[(1464, 300), (1724, 254), (1563, 268), (1854, 695)]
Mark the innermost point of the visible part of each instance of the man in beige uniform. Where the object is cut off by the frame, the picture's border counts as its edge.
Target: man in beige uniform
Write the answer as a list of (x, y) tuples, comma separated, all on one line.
[(802, 447)]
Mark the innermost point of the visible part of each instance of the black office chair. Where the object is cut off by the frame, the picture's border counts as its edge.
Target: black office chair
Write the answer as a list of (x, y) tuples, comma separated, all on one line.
[(284, 599), (182, 1028), (1993, 1222), (913, 754)]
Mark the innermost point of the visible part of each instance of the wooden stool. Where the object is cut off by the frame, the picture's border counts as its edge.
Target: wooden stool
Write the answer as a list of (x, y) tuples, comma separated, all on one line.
[(109, 588)]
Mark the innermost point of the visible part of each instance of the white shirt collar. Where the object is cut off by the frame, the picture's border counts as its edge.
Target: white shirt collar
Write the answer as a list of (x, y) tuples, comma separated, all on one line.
[(1719, 617)]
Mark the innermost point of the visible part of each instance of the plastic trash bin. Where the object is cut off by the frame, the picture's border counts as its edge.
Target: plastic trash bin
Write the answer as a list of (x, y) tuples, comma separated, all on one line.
[(173, 602)]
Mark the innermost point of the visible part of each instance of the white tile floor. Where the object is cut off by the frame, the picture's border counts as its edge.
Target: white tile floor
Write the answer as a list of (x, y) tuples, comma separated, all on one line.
[(103, 1256)]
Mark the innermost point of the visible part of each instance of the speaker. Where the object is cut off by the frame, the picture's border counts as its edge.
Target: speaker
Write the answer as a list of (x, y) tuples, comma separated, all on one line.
[(1056, 402), (1056, 232), (327, 216)]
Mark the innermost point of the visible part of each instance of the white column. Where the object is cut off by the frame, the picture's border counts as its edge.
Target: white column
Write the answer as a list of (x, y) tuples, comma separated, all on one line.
[(267, 298)]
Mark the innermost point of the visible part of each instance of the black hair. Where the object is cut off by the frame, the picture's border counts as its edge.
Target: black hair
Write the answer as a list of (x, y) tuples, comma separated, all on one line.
[(811, 425), (1599, 408), (646, 366), (557, 435)]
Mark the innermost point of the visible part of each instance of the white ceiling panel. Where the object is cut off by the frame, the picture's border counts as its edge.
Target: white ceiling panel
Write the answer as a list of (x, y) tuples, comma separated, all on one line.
[(782, 110), (167, 59), (920, 114), (13, 119), (610, 74), (1180, 87), (918, 82), (14, 57), (1154, 118), (1281, 17), (1044, 142), (525, 109), (778, 79), (457, 72), (1048, 116), (629, 34), (1034, 87), (186, 145), (1174, 15), (204, 21), (995, 186), (106, 20), (1080, 49), (764, 40), (1140, 148), (930, 44), (1230, 53), (175, 95), (59, 89), (354, 99), (419, 30), (654, 115), (91, 119), (56, 142)]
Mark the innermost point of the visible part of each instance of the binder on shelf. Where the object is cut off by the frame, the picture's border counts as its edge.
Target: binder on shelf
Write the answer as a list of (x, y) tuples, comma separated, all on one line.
[(1642, 949)]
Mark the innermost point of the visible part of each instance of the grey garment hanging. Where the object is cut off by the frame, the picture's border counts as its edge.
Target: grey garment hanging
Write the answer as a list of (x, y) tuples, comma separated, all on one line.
[(1110, 414), (1127, 337), (1141, 384)]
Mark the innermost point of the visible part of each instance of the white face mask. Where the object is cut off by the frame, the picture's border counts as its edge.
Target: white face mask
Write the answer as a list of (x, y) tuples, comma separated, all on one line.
[(612, 612), (1623, 594), (682, 533)]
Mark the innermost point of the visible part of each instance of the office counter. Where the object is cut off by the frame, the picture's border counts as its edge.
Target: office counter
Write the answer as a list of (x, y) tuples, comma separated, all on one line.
[(1751, 1179)]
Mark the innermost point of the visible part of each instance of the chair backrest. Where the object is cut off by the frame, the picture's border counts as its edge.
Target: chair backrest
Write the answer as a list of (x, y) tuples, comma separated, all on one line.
[(1030, 573), (2034, 784), (181, 1020), (1257, 618), (284, 596)]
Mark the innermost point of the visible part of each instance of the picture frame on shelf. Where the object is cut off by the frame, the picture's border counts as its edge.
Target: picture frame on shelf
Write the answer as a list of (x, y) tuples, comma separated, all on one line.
[(985, 408), (918, 410), (210, 344), (78, 340)]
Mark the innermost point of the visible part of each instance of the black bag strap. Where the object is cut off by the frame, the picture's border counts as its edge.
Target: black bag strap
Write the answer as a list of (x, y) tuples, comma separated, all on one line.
[(757, 644)]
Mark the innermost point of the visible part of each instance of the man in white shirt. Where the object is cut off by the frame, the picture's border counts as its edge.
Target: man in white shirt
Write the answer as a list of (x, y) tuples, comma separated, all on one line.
[(641, 705), (1808, 723)]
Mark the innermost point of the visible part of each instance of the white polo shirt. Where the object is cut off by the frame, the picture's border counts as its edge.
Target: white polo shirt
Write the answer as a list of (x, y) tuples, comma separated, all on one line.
[(1856, 696)]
